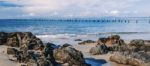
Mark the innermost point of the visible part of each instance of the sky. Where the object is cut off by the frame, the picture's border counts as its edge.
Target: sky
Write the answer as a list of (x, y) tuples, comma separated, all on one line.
[(73, 8)]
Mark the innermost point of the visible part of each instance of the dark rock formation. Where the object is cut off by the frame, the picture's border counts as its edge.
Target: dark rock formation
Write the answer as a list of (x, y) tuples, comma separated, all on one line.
[(69, 55), (85, 42), (99, 49), (3, 38)]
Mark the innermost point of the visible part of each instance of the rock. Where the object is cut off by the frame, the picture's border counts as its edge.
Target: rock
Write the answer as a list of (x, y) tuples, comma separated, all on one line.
[(137, 42), (85, 42), (32, 63), (78, 40), (137, 45), (113, 39), (66, 45), (12, 51), (45, 62), (23, 39), (99, 49), (3, 38), (102, 40), (69, 55), (133, 59)]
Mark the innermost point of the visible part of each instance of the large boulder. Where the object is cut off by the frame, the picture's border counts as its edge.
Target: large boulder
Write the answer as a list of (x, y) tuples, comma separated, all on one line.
[(21, 39), (69, 55), (133, 59), (99, 49)]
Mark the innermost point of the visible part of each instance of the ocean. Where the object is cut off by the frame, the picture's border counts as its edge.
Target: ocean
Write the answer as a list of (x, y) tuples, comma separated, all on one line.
[(67, 31)]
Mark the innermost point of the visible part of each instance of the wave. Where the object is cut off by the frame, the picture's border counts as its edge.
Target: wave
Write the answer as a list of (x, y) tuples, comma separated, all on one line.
[(66, 36)]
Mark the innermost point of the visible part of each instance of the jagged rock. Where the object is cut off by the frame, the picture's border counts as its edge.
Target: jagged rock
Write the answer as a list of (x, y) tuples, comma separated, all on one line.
[(69, 55), (133, 59), (85, 42), (99, 49)]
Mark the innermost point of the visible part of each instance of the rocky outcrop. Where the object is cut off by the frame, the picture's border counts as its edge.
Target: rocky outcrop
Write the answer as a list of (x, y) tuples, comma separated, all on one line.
[(70, 56), (111, 43), (133, 59)]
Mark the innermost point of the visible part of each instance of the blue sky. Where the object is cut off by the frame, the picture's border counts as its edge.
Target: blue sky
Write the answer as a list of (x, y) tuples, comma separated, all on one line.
[(73, 8)]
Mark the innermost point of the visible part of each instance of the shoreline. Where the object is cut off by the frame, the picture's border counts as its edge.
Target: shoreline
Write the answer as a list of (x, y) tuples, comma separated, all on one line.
[(85, 50), (77, 48)]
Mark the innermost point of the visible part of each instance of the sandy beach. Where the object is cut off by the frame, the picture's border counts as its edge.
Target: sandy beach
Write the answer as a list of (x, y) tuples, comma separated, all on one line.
[(85, 50)]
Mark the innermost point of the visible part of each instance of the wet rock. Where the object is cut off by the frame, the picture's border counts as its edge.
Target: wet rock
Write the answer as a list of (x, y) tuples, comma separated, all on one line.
[(69, 55), (133, 59), (99, 49), (86, 42)]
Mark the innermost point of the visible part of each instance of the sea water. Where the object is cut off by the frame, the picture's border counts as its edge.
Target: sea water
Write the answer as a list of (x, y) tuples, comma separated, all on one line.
[(49, 31)]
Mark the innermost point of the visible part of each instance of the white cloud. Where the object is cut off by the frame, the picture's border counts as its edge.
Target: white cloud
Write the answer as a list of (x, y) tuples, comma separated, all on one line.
[(115, 12), (80, 7)]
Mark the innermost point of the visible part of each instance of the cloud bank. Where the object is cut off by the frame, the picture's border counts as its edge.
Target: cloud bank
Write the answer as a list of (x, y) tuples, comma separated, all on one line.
[(73, 8)]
